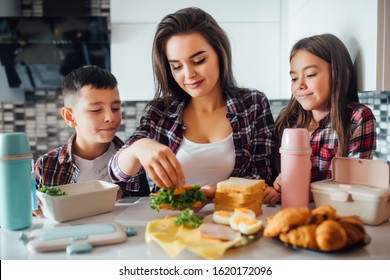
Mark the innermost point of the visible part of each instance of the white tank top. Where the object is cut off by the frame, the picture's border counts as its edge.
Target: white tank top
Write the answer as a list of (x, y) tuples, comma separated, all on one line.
[(207, 164), (96, 169)]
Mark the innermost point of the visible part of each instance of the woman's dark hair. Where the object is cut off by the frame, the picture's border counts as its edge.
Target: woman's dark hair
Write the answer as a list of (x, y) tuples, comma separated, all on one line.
[(343, 89), (92, 75), (187, 21)]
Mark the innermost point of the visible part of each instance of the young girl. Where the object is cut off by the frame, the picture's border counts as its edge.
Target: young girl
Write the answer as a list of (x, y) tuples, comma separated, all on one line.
[(200, 128), (325, 101)]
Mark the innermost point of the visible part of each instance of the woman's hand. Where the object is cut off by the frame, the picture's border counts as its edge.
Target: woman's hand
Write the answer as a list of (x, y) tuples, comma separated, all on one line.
[(159, 162), (272, 195)]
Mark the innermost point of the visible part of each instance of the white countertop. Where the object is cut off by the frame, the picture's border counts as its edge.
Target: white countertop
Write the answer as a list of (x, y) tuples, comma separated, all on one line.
[(136, 214)]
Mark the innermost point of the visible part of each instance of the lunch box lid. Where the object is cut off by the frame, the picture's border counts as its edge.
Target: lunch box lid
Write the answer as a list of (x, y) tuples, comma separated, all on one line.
[(366, 172)]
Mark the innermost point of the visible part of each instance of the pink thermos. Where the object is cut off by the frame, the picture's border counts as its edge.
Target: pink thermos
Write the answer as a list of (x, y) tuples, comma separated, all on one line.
[(295, 152)]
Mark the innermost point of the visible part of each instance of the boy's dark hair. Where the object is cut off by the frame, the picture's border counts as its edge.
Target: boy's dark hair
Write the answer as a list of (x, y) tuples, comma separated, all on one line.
[(92, 75)]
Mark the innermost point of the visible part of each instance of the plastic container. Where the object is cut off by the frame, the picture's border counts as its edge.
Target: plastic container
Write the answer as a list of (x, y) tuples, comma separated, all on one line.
[(80, 200), (75, 238), (358, 187), (295, 152), (15, 181)]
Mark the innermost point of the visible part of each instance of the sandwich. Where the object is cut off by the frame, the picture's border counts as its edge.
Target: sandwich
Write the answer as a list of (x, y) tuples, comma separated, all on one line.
[(238, 192), (177, 198)]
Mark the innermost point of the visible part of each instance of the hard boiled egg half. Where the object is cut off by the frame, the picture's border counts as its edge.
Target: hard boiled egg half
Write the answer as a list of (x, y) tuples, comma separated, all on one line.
[(244, 220), (240, 215), (249, 226), (222, 217)]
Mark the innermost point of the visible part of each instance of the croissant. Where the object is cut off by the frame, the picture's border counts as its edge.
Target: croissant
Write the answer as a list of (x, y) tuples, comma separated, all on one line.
[(303, 236), (323, 213), (330, 236), (354, 228), (286, 219)]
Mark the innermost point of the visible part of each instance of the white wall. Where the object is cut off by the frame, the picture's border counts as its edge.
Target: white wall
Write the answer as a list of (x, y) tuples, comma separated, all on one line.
[(262, 33), (253, 27), (383, 65), (353, 21)]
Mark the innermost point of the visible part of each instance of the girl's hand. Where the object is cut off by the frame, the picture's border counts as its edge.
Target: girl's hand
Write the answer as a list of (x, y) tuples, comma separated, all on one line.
[(159, 162), (209, 193), (272, 195)]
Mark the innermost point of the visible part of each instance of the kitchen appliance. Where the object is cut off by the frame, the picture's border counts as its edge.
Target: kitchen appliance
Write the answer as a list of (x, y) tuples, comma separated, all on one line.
[(37, 52)]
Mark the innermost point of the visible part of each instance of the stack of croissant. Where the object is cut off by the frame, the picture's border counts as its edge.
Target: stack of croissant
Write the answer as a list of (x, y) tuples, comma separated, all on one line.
[(321, 228)]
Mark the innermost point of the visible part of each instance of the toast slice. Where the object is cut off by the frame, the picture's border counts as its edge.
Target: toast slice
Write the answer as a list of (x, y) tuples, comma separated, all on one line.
[(241, 185)]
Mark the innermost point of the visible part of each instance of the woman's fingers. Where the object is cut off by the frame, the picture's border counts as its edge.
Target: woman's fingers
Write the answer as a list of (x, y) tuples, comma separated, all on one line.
[(164, 174), (160, 163)]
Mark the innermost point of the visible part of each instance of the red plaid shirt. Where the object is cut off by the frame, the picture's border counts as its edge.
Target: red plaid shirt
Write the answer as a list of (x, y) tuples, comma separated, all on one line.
[(253, 135), (324, 141)]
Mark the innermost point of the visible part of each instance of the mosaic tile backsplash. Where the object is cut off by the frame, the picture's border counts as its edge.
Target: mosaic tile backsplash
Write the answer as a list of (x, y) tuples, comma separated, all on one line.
[(39, 116)]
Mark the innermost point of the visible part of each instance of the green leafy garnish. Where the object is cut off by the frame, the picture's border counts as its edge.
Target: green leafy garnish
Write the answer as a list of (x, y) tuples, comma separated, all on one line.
[(182, 201), (53, 191), (188, 219)]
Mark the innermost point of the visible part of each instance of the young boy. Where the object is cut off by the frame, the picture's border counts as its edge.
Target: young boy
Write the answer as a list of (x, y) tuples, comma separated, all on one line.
[(92, 107)]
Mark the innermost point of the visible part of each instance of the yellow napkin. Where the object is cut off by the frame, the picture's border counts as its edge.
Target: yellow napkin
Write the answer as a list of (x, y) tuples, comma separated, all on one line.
[(174, 239)]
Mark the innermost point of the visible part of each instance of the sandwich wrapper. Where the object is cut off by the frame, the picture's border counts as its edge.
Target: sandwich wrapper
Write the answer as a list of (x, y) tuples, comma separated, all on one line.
[(174, 239)]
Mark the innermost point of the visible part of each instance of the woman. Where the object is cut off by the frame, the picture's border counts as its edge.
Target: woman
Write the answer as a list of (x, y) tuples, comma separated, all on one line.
[(200, 128)]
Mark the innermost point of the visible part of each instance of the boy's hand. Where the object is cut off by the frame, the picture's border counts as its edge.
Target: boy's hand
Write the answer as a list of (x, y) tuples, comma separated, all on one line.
[(119, 194), (38, 213)]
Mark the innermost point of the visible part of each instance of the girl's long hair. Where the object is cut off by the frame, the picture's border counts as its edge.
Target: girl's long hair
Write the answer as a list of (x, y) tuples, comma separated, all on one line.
[(343, 89)]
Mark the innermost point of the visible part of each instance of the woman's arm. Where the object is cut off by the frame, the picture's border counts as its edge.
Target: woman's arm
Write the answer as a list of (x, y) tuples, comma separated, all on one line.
[(141, 153)]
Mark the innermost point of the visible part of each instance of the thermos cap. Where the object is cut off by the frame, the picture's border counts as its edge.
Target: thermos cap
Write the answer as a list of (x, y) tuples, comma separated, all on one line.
[(295, 138), (14, 145)]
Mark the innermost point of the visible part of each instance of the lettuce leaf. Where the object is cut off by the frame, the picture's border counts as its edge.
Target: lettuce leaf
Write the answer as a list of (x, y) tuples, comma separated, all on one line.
[(182, 201)]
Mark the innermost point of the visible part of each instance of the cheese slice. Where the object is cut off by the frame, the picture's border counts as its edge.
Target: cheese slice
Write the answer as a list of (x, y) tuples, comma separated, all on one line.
[(174, 239)]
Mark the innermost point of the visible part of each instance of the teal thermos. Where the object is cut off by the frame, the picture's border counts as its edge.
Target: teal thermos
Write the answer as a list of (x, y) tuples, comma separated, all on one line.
[(15, 181)]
